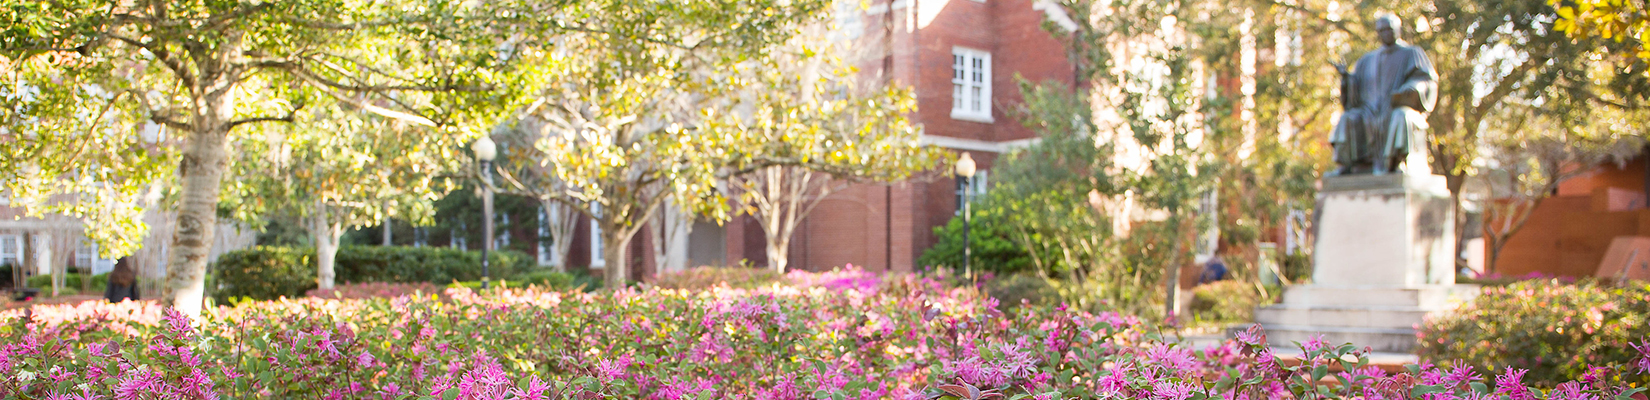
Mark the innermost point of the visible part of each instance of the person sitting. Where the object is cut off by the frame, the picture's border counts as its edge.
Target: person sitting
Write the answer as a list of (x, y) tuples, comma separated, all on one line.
[(122, 282), (1214, 270)]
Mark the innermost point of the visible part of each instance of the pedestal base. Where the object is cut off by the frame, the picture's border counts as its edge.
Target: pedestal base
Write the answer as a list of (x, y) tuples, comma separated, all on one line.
[(1384, 261), (1382, 318)]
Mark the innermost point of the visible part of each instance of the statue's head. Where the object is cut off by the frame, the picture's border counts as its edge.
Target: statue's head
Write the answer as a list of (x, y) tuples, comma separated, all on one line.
[(1386, 26)]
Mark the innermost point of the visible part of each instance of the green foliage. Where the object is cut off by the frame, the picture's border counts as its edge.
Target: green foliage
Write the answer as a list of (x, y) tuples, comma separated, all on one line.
[(265, 272), (71, 282), (1222, 302), (551, 280), (269, 272), (990, 237), (1556, 330), (1620, 20), (1014, 290)]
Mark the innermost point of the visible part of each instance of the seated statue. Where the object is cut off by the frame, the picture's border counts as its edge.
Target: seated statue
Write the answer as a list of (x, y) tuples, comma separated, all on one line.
[(1386, 96)]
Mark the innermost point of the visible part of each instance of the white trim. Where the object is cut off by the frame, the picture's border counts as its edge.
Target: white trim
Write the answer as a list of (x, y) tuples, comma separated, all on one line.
[(1056, 14), (883, 7), (15, 255), (596, 260), (975, 145), (970, 84)]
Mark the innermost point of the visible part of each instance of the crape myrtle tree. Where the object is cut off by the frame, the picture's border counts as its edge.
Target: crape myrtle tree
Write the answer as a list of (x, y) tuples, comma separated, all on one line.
[(819, 128), (206, 69), (1529, 153), (338, 167), (625, 118)]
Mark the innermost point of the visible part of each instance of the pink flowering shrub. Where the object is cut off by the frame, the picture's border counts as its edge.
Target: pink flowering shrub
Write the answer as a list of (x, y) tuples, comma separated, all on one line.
[(838, 337), (375, 289), (1556, 330)]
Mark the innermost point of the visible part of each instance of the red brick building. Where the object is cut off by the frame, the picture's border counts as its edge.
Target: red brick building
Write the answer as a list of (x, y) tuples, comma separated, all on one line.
[(1573, 232), (962, 57)]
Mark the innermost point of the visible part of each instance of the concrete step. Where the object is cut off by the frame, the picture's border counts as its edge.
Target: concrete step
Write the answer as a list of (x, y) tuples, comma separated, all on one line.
[(1395, 340), (1442, 297), (1341, 316)]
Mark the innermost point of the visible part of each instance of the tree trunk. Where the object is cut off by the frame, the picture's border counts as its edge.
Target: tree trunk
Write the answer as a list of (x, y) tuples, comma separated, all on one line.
[(327, 236), (778, 251), (561, 220), (201, 169), (615, 240)]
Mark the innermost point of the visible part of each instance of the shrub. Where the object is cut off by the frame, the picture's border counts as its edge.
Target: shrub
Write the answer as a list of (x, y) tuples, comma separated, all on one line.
[(560, 280), (266, 272), (1225, 301), (1014, 289), (1553, 329), (707, 277), (376, 290), (993, 250), (907, 338), (70, 282)]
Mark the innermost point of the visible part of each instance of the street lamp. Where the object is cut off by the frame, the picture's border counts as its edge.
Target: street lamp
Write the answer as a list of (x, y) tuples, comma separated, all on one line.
[(485, 151), (965, 171)]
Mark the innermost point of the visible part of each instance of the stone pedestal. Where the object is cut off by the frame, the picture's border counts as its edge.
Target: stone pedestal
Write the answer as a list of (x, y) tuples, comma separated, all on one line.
[(1384, 260)]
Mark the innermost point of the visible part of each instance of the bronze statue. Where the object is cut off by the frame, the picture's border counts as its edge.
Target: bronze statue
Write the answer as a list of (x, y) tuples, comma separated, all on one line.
[(1385, 97)]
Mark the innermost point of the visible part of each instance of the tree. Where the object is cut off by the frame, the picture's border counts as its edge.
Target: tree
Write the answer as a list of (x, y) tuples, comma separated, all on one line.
[(1620, 20), (822, 129), (626, 119), (1531, 152), (204, 69), (338, 167), (523, 172)]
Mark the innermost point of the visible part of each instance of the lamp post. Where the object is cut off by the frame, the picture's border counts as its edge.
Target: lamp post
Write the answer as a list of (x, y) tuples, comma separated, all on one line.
[(965, 171), (485, 151)]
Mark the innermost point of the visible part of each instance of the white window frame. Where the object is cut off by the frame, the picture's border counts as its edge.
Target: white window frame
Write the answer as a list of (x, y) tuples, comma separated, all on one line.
[(596, 250), (14, 254), (457, 239), (971, 85), (85, 255)]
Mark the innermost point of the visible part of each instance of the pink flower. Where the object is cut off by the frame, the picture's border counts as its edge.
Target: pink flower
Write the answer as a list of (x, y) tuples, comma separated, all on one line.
[(1314, 344), (1512, 385), (1643, 363), (1171, 391), (534, 391), (1253, 336), (611, 370)]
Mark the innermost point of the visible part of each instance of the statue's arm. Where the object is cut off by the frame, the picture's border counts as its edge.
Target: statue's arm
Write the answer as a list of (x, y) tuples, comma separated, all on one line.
[(1350, 98), (1420, 88)]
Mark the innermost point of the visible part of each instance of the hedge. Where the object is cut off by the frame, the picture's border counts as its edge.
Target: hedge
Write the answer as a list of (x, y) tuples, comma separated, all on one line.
[(1557, 330), (268, 272)]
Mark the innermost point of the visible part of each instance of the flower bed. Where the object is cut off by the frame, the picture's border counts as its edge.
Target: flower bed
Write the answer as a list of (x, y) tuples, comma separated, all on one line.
[(849, 337), (1557, 330)]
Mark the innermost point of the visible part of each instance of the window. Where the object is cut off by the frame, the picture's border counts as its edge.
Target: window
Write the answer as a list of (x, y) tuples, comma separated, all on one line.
[(11, 250), (501, 225), (970, 85), (458, 240), (85, 254), (596, 260)]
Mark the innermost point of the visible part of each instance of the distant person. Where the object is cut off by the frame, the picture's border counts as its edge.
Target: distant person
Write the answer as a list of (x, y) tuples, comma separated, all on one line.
[(1214, 270), (122, 282)]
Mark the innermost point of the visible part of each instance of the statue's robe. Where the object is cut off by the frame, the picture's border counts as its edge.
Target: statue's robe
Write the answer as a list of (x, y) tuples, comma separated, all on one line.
[(1385, 97)]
